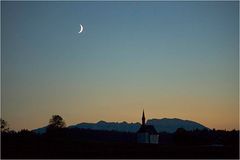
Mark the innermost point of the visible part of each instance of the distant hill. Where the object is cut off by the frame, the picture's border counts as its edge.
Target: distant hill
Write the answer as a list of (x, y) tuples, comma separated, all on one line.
[(40, 130), (109, 126), (169, 125)]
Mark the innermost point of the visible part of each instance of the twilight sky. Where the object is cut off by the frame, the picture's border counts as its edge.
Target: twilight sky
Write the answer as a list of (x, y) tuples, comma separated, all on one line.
[(174, 59)]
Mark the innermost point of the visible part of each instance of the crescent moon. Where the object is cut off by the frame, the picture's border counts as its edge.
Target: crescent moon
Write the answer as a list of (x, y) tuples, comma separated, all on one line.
[(81, 29)]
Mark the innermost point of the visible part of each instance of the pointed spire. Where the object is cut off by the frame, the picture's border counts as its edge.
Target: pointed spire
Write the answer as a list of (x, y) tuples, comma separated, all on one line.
[(143, 118)]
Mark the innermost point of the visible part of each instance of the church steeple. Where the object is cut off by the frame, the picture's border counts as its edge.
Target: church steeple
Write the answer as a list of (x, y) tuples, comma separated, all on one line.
[(143, 118)]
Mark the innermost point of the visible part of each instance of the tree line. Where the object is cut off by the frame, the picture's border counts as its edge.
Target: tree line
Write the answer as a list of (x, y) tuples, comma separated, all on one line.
[(55, 122)]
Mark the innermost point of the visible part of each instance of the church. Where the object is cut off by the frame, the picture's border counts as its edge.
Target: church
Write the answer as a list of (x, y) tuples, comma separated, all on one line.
[(147, 133)]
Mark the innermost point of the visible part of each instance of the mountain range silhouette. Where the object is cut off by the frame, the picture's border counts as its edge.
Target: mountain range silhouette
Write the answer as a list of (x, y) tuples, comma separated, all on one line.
[(168, 125)]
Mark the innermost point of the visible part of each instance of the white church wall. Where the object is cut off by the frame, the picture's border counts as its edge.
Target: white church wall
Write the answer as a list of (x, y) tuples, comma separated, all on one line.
[(154, 139)]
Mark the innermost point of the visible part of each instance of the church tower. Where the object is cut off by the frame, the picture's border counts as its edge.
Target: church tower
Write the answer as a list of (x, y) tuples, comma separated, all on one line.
[(147, 133), (143, 118)]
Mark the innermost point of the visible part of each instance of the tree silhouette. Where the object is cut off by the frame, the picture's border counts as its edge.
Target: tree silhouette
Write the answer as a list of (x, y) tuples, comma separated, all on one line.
[(4, 126), (56, 122)]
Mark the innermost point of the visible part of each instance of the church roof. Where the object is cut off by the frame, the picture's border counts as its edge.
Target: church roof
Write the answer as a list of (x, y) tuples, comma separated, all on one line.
[(147, 129)]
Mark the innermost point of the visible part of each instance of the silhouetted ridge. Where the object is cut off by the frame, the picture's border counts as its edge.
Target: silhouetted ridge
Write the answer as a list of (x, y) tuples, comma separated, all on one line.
[(172, 124), (101, 122), (169, 125)]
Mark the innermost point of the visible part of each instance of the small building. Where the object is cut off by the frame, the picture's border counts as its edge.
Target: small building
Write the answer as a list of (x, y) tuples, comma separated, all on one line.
[(147, 133)]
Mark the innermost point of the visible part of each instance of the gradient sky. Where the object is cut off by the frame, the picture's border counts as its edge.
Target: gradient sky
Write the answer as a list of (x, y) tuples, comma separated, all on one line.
[(174, 59)]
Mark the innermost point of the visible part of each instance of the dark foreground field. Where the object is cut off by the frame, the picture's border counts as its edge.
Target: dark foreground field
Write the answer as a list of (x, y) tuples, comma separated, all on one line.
[(99, 144), (115, 150)]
